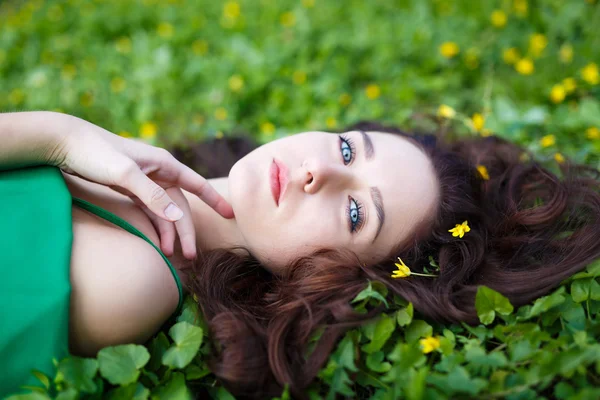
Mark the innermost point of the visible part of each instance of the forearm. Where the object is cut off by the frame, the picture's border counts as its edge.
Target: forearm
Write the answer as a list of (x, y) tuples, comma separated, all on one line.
[(32, 138)]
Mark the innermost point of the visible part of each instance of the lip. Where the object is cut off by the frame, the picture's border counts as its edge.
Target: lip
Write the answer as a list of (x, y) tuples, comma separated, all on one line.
[(278, 178)]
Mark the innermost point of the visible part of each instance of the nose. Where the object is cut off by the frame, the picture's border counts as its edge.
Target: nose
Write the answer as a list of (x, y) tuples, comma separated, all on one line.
[(319, 174)]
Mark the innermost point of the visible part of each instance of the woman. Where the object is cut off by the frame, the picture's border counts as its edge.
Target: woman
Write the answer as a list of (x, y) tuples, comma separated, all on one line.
[(316, 215)]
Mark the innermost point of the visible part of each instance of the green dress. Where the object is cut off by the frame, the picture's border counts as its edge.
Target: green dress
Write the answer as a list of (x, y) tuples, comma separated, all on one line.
[(35, 253)]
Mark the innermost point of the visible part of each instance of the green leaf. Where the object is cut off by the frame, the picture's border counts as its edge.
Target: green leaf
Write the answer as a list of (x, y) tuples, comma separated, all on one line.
[(285, 395), (45, 380), (158, 346), (345, 353), (488, 302), (384, 328), (191, 314), (188, 339), (375, 362), (370, 292), (404, 316), (340, 384), (542, 304), (458, 381), (69, 394), (580, 289), (415, 387), (417, 330), (120, 365), (174, 389), (29, 396), (591, 271), (133, 391), (77, 372), (193, 372)]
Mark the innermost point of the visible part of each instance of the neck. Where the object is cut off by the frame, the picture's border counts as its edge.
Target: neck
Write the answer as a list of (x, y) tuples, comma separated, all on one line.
[(212, 230)]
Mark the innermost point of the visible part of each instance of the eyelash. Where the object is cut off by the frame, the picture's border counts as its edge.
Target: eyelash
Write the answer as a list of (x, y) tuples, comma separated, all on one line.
[(353, 205), (350, 143)]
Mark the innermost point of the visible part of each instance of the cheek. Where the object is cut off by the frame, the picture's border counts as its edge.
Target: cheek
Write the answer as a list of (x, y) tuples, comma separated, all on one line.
[(278, 244)]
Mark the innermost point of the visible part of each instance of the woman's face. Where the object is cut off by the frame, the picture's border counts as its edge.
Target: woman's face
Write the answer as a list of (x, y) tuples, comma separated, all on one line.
[(361, 191)]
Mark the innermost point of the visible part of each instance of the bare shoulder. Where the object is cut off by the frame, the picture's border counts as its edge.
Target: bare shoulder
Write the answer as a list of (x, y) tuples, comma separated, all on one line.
[(122, 289)]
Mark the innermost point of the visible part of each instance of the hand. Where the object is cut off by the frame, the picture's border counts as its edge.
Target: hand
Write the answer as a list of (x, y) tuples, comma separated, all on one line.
[(151, 176)]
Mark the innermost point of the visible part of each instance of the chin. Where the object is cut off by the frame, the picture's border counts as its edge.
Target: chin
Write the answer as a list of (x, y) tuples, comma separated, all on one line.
[(243, 183)]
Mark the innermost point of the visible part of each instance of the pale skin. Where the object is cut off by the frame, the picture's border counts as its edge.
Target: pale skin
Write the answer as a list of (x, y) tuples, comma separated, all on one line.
[(122, 289)]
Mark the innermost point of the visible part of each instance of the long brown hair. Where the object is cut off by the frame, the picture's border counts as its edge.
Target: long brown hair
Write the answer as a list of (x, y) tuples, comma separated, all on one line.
[(530, 230)]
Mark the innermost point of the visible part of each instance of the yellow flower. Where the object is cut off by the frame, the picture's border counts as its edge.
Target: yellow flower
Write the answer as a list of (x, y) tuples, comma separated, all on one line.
[(165, 30), (86, 99), (484, 172), (287, 19), (478, 121), (510, 55), (373, 91), (569, 84), (236, 83), (117, 85), (331, 122), (566, 53), (460, 229), (592, 133), (445, 111), (221, 114), (558, 93), (429, 344), (200, 47), (403, 271), (125, 134), (520, 7), (219, 135), (299, 77), (68, 72), (345, 99), (590, 74), (123, 45), (308, 3), (148, 130), (537, 44), (559, 158), (267, 128), (548, 140), (231, 9), (525, 66), (449, 49), (498, 18)]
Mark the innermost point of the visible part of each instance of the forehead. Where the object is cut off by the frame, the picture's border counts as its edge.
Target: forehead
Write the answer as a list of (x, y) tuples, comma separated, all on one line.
[(409, 189)]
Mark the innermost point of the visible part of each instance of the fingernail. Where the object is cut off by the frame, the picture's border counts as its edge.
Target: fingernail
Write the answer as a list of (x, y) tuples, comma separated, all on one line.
[(173, 212)]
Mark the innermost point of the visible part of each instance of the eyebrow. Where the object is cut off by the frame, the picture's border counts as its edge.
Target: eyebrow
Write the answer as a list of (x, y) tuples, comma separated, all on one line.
[(369, 153)]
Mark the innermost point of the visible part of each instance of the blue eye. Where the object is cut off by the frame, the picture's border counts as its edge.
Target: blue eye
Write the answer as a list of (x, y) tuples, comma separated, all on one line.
[(347, 148), (355, 214)]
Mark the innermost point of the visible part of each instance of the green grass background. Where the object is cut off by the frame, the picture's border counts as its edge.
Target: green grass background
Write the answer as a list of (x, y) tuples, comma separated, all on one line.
[(165, 71)]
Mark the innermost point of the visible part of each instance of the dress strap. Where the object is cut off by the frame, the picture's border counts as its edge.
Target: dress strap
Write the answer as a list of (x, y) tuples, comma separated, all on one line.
[(107, 215)]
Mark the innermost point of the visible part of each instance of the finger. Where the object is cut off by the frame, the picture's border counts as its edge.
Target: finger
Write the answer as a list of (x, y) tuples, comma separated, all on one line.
[(180, 175), (153, 196), (185, 226), (165, 229)]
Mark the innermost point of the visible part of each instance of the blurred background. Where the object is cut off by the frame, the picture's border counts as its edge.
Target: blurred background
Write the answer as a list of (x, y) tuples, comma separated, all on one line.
[(172, 71)]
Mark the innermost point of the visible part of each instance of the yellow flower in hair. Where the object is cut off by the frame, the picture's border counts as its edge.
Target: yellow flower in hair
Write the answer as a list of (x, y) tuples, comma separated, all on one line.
[(484, 172), (429, 344), (403, 271), (460, 229)]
